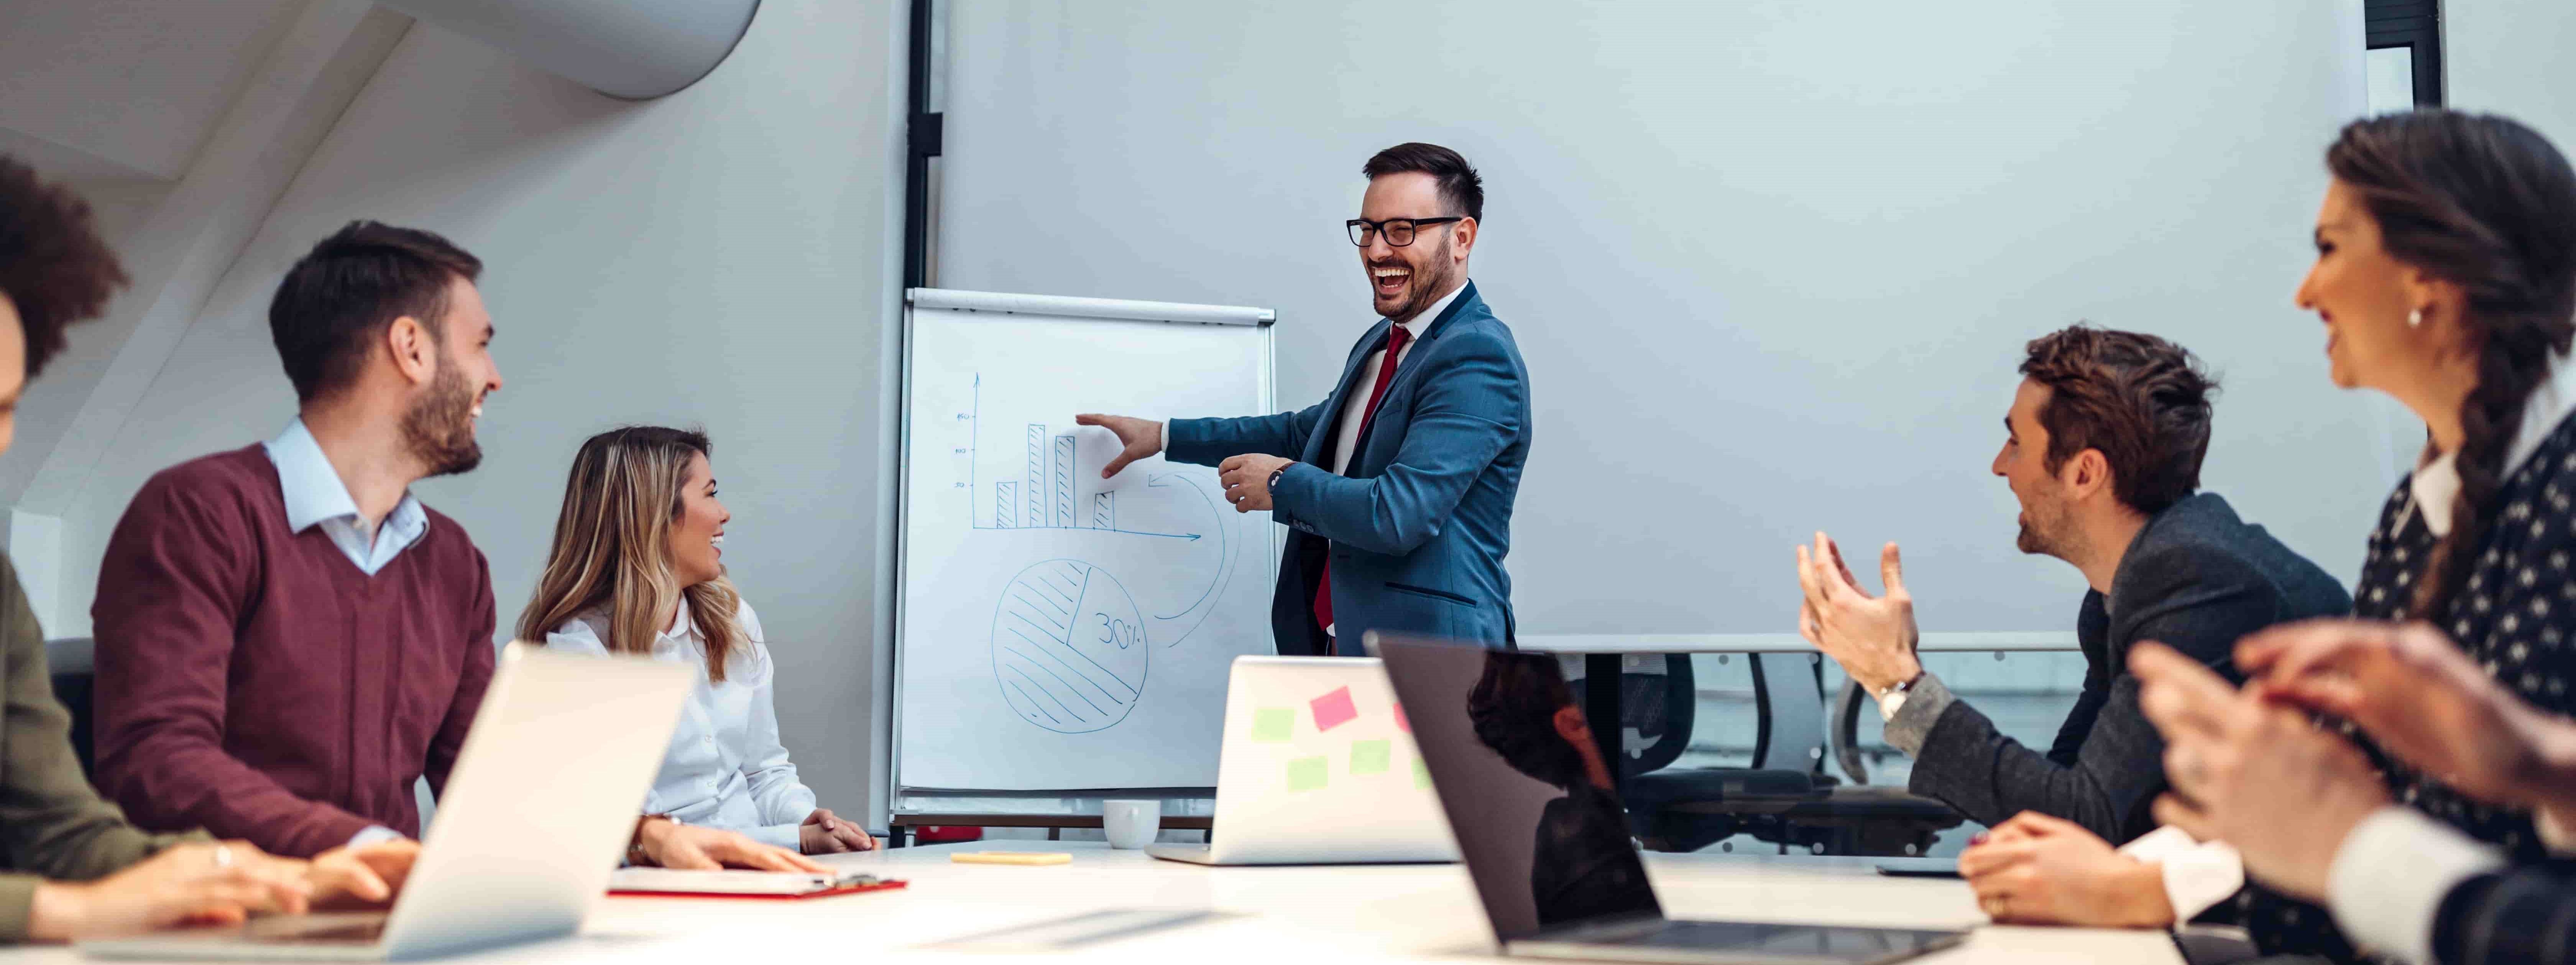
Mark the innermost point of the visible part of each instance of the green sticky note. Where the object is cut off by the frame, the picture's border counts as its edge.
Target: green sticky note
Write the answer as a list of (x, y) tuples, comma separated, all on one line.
[(1370, 757), (1421, 774), (1306, 774), (1270, 724)]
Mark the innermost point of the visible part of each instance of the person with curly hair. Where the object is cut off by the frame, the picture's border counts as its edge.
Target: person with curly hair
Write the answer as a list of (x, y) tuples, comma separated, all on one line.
[(70, 864)]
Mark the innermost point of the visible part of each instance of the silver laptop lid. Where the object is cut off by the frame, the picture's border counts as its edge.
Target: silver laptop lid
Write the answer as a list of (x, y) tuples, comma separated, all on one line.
[(1525, 788), (542, 800), (1318, 765)]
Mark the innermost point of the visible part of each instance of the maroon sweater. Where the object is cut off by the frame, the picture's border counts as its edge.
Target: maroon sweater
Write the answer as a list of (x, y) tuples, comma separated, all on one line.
[(255, 683)]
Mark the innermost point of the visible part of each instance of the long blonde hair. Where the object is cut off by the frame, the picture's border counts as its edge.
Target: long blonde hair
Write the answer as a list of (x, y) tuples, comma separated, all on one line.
[(612, 547)]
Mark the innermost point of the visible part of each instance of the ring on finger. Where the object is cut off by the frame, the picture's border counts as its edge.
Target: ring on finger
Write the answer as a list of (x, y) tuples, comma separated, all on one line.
[(223, 856), (2190, 767)]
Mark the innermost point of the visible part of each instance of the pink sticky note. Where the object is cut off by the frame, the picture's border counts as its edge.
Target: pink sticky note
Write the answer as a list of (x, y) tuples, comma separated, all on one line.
[(1333, 709), (1400, 722)]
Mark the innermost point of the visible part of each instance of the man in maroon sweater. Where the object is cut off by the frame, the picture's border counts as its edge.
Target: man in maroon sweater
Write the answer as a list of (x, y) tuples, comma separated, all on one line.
[(287, 640)]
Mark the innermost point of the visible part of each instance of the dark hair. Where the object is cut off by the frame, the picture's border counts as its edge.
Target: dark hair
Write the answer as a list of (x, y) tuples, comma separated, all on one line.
[(352, 285), (1513, 708), (53, 265), (2488, 205), (2143, 401), (1459, 186)]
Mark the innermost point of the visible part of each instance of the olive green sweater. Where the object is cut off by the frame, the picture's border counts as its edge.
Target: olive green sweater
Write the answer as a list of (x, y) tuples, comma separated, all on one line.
[(52, 823)]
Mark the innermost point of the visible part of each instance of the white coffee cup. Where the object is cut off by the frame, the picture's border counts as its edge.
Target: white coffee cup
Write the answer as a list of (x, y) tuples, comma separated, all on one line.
[(1131, 824)]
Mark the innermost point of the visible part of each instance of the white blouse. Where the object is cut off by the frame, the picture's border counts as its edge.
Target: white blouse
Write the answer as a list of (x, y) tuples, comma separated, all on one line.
[(725, 768)]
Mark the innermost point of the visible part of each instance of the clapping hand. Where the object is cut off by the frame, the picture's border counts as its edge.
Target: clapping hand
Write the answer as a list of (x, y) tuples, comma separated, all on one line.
[(1873, 638), (2418, 696), (2254, 774)]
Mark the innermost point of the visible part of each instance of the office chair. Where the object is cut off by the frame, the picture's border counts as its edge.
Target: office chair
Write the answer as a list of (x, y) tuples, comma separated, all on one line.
[(1785, 798)]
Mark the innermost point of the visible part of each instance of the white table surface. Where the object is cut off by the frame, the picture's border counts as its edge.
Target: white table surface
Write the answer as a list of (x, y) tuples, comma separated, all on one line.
[(1308, 915), (1943, 642)]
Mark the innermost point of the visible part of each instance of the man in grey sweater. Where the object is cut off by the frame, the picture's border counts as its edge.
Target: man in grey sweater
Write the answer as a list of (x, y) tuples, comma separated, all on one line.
[(2103, 449)]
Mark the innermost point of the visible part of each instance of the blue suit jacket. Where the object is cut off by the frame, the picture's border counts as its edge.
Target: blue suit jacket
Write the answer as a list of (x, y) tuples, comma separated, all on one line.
[(1419, 526)]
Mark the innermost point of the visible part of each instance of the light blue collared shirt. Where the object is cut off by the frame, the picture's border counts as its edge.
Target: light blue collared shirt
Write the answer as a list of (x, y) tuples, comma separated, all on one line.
[(316, 496)]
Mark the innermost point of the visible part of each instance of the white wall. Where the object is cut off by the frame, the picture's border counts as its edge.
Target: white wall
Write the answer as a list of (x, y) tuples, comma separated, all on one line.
[(721, 257), (2510, 57), (1771, 265)]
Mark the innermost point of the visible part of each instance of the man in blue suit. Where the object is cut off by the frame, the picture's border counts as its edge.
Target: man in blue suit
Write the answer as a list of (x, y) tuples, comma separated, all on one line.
[(1399, 485)]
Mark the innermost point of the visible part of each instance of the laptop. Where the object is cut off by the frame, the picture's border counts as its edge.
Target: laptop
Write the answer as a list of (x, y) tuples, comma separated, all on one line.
[(525, 836), (1317, 767), (1545, 839)]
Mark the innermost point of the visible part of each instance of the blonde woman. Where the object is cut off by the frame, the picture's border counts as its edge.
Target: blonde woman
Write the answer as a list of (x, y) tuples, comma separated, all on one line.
[(637, 569)]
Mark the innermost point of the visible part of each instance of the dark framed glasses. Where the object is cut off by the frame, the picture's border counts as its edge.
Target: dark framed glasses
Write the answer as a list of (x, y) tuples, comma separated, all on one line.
[(1398, 231)]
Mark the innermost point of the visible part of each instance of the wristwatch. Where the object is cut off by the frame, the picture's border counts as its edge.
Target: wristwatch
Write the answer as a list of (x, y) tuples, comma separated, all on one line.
[(635, 843), (1273, 484), (1892, 699)]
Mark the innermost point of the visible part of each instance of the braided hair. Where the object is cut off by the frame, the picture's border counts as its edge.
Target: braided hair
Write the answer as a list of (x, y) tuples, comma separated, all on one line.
[(2486, 204)]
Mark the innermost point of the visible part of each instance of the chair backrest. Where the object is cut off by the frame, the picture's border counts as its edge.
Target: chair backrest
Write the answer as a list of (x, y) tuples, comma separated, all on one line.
[(1790, 691), (1658, 704), (72, 662)]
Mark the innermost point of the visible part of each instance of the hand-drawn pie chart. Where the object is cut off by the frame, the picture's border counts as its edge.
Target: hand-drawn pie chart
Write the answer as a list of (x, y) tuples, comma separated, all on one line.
[(1069, 647)]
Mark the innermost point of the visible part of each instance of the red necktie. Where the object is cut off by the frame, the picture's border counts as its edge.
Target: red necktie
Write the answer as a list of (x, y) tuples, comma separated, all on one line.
[(1396, 336)]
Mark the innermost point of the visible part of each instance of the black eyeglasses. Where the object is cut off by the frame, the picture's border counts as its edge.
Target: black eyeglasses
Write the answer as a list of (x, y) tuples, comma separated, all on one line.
[(1398, 231)]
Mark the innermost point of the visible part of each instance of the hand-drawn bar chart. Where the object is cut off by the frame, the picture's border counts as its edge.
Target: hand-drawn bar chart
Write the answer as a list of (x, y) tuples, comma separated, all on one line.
[(1048, 493)]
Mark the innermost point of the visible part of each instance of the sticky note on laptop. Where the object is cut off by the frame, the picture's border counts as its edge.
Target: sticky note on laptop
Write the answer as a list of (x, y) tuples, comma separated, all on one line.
[(1334, 709), (1270, 725), (1307, 774), (1370, 757)]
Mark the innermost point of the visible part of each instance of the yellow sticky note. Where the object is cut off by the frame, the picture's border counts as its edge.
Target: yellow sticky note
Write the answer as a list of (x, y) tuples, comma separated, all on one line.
[(1011, 857), (1306, 774), (1370, 757)]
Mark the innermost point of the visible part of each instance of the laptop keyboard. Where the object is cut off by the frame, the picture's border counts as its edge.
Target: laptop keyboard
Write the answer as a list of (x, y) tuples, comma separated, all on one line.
[(302, 933)]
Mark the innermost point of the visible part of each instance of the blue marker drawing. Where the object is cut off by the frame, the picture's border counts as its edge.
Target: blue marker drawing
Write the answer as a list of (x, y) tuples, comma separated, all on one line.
[(1069, 651), (1070, 646), (1170, 628), (1045, 493)]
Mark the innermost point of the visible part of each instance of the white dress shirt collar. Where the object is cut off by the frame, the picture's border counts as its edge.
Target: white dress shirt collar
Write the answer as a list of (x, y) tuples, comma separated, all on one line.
[(2436, 484), (681, 628), (316, 496), (1415, 326)]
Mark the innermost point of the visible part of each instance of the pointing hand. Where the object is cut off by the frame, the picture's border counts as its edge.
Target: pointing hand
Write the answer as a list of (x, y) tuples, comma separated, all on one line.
[(1142, 437)]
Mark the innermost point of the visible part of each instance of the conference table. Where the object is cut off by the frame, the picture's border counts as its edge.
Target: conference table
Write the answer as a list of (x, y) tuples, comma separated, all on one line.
[(1311, 915)]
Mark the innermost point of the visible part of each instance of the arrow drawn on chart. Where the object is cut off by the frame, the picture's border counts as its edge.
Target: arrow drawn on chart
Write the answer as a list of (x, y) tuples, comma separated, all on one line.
[(1225, 560)]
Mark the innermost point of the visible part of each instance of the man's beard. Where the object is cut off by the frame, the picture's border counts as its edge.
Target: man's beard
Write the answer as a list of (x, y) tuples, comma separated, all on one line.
[(1428, 286), (2031, 541), (2043, 532), (439, 429)]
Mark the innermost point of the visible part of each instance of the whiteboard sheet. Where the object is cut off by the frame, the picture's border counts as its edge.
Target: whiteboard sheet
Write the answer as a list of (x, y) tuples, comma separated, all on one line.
[(1062, 631)]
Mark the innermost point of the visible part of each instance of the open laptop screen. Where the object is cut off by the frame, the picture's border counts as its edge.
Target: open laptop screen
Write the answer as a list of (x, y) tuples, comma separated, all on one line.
[(1526, 790)]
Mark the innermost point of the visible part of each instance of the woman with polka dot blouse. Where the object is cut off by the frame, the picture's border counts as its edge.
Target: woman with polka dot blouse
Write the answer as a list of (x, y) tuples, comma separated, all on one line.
[(2446, 278)]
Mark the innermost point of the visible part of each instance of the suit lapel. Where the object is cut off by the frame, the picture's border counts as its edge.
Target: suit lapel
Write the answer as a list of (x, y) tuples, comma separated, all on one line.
[(1319, 447), (1406, 375)]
